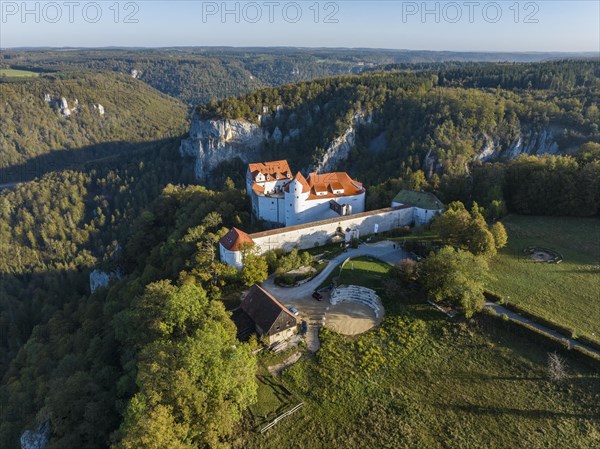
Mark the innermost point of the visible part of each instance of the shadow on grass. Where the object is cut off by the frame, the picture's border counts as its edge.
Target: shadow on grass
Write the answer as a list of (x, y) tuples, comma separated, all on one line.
[(533, 413), (281, 400)]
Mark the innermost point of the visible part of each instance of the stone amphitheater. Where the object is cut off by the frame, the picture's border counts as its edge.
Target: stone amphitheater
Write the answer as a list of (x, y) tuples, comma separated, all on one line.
[(354, 310)]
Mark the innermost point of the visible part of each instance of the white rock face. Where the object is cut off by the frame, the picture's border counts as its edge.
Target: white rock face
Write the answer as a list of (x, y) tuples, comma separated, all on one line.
[(47, 98), (64, 107), (527, 142), (99, 108), (214, 141), (38, 439), (135, 74), (340, 148), (99, 278), (277, 135)]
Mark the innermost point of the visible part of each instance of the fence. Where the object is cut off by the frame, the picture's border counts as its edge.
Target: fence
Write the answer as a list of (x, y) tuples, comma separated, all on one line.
[(280, 417)]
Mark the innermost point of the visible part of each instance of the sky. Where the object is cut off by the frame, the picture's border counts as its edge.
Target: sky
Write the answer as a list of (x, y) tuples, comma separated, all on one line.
[(543, 25)]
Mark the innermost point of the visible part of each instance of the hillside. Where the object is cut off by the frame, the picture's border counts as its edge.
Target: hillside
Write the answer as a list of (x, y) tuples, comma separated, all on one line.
[(94, 114), (196, 75), (380, 125)]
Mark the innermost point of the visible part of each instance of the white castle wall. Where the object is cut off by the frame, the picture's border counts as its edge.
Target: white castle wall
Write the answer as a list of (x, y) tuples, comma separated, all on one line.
[(300, 211), (320, 233)]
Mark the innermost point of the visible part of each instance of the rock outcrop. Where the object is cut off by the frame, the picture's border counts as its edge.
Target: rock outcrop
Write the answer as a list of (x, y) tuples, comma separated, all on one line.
[(212, 142), (38, 439), (528, 141), (64, 107), (339, 150), (98, 108), (99, 278)]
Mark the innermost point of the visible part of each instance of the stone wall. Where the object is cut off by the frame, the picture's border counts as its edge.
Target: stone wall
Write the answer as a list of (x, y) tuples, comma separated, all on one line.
[(321, 232)]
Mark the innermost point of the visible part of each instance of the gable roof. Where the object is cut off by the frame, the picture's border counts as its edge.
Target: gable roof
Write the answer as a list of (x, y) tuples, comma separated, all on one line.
[(302, 180), (273, 170), (267, 313), (328, 182), (235, 239), (422, 200)]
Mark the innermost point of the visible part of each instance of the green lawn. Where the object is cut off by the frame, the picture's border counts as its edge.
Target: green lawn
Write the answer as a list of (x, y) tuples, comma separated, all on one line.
[(10, 73), (567, 293), (423, 381), (364, 271)]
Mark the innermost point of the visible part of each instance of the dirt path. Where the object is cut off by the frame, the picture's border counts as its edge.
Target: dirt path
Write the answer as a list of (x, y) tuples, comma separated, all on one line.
[(276, 369), (312, 338)]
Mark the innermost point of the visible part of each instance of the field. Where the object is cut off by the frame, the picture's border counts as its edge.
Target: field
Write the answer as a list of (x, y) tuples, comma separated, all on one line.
[(567, 293), (437, 384), (421, 380), (10, 73), (364, 271)]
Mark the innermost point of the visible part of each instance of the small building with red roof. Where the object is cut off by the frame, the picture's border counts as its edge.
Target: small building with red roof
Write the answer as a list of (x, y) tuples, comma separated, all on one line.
[(231, 246)]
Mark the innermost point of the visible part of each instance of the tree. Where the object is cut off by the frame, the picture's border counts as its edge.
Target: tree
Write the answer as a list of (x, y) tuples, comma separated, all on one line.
[(556, 367), (455, 276), (500, 236), (255, 268), (452, 226), (406, 271), (480, 239)]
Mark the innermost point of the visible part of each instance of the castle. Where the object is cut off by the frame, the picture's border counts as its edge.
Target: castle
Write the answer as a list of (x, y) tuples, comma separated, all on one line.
[(318, 210), (280, 198)]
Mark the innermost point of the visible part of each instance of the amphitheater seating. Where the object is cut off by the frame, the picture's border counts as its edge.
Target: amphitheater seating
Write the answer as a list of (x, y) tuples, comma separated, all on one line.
[(355, 293)]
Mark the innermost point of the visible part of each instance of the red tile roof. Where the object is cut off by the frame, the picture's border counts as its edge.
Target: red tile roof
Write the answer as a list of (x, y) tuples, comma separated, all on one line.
[(272, 170), (328, 182), (235, 239), (300, 178)]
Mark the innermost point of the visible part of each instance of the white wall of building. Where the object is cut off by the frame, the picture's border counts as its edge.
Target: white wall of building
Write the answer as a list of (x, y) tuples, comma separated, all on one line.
[(233, 258), (424, 216), (270, 209), (300, 210)]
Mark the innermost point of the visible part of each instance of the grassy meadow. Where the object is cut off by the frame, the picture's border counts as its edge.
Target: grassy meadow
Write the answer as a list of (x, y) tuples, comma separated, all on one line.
[(422, 381), (567, 293), (364, 271), (11, 73)]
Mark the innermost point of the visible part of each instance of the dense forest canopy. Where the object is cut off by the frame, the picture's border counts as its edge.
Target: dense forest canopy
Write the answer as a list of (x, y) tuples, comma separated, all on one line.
[(427, 119), (198, 75)]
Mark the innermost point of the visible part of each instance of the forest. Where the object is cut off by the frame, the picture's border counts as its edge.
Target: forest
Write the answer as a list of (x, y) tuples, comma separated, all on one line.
[(152, 361)]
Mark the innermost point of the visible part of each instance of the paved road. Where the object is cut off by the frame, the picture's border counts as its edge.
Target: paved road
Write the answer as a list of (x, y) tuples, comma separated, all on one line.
[(516, 317), (381, 250)]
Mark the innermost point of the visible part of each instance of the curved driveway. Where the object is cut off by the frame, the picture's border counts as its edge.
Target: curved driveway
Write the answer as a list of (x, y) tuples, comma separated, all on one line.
[(381, 250)]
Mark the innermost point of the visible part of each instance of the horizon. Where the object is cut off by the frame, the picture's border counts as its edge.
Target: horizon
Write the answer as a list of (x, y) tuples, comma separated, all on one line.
[(443, 26), (592, 53)]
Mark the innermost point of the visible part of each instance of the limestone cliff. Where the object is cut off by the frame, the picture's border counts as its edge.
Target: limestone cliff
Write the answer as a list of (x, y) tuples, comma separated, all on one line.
[(339, 149), (528, 141), (214, 141), (38, 439)]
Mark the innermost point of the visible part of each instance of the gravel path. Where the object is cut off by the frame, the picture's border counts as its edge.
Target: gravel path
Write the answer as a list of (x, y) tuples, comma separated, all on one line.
[(546, 330)]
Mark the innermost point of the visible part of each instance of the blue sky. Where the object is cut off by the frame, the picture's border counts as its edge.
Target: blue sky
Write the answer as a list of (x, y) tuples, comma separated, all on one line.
[(544, 25)]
